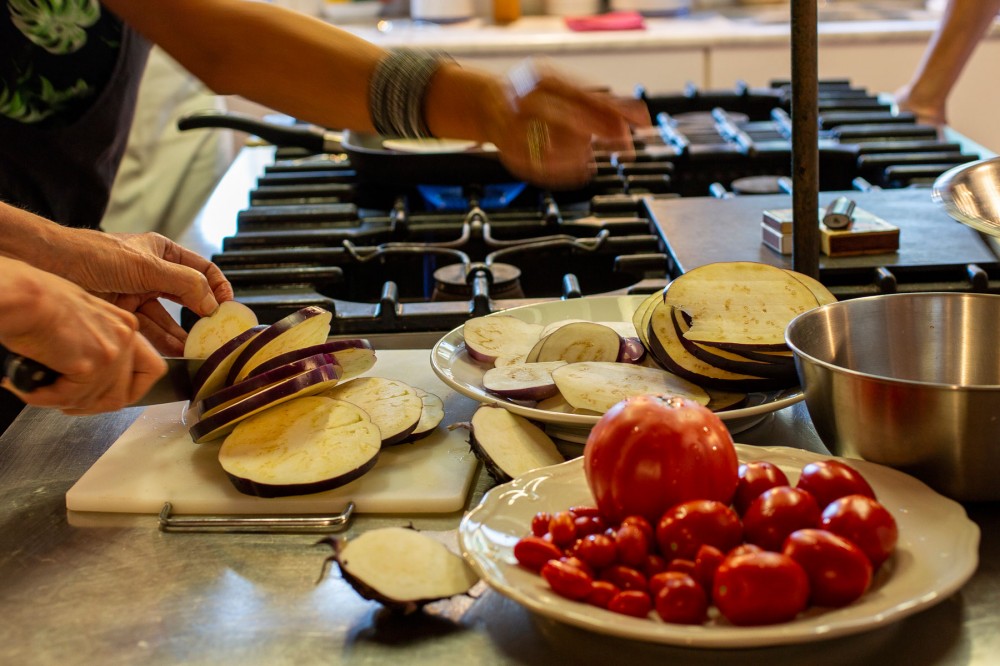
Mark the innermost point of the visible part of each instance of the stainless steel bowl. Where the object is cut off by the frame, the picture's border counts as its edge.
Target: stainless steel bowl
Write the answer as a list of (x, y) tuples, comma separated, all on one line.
[(911, 381), (970, 193)]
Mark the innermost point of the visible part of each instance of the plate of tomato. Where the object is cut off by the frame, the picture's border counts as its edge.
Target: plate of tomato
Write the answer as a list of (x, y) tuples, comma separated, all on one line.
[(935, 553)]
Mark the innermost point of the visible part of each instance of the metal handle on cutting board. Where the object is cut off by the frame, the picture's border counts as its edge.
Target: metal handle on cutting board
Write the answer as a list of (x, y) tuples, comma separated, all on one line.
[(309, 137)]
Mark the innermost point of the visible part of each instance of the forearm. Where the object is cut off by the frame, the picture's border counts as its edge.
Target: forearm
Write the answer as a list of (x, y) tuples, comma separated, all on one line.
[(962, 26), (30, 238), (306, 68)]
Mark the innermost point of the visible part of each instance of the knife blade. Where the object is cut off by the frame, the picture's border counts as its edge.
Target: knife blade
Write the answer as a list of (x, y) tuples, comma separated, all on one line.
[(27, 375)]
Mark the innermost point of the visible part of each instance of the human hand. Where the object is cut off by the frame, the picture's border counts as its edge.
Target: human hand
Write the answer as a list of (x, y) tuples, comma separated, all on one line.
[(547, 126), (930, 112), (104, 362), (133, 271)]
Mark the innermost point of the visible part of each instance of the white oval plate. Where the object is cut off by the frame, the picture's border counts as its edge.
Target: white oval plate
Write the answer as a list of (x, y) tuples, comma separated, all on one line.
[(936, 554), (452, 363)]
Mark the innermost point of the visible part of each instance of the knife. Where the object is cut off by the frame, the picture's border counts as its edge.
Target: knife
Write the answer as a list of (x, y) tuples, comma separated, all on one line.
[(27, 375)]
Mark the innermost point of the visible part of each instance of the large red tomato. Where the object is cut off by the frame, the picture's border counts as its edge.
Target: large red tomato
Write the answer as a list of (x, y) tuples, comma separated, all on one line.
[(760, 588), (839, 572), (650, 452)]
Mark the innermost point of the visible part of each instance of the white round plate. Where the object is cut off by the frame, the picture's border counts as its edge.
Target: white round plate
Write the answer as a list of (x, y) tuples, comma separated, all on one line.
[(429, 145), (936, 554), (452, 363)]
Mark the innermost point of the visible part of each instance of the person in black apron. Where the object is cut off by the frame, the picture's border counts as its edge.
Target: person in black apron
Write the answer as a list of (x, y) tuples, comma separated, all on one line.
[(69, 75)]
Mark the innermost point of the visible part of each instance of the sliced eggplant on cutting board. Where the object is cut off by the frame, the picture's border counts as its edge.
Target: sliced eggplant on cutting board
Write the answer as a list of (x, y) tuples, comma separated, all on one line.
[(155, 461)]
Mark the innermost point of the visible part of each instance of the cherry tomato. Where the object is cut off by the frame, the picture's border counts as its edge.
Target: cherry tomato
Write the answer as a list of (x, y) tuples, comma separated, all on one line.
[(567, 580), (642, 524), (532, 552), (754, 478), (744, 549), (633, 545), (681, 565), (777, 513), (827, 480), (585, 511), (653, 564), (597, 550), (540, 523), (706, 562), (649, 453), (685, 527), (864, 522), (839, 572), (760, 588), (562, 528), (631, 602), (574, 561), (601, 593), (680, 599), (625, 578), (588, 525)]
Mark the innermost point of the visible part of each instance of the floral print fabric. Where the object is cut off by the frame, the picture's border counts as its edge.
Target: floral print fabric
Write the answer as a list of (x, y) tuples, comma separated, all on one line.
[(55, 58)]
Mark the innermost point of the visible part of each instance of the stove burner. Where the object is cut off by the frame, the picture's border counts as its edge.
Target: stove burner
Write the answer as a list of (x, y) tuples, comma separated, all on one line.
[(451, 282)]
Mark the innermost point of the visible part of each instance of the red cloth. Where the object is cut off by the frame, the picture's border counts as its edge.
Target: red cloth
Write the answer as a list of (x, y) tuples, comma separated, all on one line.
[(609, 21)]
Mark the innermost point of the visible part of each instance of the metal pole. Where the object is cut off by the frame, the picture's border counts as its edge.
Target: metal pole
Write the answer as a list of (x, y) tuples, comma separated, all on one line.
[(805, 139)]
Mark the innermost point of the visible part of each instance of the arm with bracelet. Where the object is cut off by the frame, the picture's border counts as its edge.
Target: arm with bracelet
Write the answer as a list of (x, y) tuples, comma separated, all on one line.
[(543, 124)]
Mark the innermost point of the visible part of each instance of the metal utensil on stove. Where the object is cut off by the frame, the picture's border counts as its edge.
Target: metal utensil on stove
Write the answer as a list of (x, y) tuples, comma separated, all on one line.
[(367, 153), (970, 193), (27, 375)]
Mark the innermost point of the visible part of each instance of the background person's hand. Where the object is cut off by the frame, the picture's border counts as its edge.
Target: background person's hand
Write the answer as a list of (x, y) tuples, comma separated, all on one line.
[(105, 363), (547, 126)]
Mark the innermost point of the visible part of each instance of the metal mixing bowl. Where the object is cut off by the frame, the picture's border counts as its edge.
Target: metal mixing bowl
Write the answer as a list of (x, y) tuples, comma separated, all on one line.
[(911, 381), (970, 193)]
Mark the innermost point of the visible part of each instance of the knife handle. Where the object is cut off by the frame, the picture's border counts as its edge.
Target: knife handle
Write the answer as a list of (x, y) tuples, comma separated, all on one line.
[(26, 375)]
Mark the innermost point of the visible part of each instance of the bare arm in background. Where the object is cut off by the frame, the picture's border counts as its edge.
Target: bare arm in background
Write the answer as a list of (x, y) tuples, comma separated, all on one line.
[(320, 74), (963, 25)]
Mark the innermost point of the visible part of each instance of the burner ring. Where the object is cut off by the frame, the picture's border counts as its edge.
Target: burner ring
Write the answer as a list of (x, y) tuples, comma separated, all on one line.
[(450, 282)]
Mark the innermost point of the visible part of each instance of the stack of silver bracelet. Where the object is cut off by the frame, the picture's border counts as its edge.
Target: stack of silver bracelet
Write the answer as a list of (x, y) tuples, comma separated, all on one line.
[(397, 92)]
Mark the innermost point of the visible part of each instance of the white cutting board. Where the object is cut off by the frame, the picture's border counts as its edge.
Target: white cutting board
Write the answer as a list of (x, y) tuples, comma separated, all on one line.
[(155, 461)]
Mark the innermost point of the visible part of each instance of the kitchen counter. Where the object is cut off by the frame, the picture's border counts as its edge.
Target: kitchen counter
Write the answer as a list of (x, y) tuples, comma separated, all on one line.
[(112, 589)]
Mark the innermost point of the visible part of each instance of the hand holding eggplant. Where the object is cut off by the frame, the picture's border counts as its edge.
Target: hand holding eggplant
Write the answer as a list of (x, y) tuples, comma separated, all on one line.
[(104, 362)]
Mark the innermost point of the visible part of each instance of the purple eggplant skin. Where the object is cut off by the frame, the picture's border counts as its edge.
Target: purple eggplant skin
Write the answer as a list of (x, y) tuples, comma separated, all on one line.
[(257, 382), (220, 354), (268, 335), (251, 487), (329, 347), (318, 378), (631, 351)]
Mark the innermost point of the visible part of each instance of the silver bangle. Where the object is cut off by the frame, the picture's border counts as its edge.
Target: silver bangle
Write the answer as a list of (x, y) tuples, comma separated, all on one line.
[(397, 92)]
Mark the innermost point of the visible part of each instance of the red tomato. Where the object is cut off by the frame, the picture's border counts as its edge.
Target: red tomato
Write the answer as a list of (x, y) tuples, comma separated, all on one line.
[(625, 578), (649, 453), (760, 588), (777, 513), (866, 523), (597, 550), (688, 525), (567, 580), (633, 545), (562, 528), (532, 552), (679, 599), (754, 478), (706, 562), (540, 523), (631, 602), (827, 480), (839, 572), (601, 593)]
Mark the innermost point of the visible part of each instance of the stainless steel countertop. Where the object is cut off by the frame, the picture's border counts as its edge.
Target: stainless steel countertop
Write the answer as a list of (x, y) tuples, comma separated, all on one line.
[(105, 589)]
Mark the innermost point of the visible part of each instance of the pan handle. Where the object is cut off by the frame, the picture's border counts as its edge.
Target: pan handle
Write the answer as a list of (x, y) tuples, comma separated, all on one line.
[(309, 137)]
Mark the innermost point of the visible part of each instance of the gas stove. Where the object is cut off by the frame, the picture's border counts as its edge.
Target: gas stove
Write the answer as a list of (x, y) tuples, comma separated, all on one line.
[(422, 259)]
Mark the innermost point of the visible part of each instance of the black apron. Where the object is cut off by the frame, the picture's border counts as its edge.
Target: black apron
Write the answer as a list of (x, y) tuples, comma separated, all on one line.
[(65, 173)]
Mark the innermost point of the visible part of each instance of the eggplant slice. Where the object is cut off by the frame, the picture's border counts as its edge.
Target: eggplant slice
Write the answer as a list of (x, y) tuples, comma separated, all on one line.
[(510, 445), (401, 568)]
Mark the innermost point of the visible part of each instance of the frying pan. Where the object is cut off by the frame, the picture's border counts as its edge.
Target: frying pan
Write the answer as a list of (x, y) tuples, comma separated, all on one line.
[(369, 157)]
